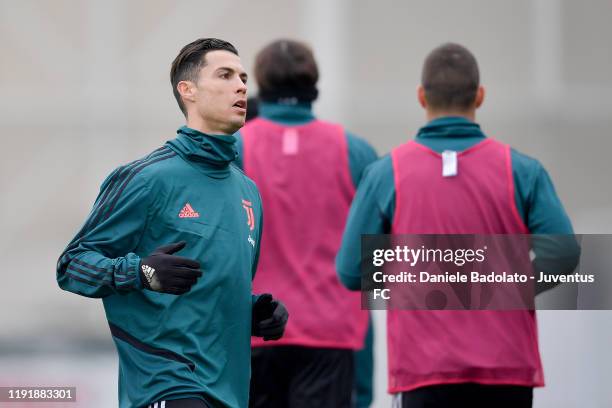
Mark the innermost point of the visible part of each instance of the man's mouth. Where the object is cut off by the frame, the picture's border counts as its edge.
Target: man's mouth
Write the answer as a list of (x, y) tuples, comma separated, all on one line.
[(240, 104)]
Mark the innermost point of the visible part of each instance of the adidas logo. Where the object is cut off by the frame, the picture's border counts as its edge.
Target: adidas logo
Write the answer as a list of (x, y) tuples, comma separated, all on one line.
[(189, 212), (148, 272)]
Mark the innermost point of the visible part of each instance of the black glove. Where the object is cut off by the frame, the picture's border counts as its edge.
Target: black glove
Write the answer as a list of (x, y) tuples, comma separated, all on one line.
[(167, 273), (269, 318)]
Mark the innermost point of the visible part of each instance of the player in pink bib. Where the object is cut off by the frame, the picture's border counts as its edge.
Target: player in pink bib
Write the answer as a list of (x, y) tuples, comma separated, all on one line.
[(307, 171), (452, 179)]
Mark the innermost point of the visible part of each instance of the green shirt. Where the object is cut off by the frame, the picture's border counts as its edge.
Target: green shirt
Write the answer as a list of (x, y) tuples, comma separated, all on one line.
[(196, 344)]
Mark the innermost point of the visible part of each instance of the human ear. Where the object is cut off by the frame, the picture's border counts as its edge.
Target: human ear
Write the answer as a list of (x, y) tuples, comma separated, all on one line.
[(421, 96), (480, 94), (187, 90)]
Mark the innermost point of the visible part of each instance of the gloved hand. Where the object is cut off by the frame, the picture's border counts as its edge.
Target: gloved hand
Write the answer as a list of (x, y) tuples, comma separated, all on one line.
[(167, 273), (269, 318)]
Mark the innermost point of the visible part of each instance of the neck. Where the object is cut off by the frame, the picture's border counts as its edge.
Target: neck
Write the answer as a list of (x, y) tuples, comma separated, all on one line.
[(197, 123), (470, 114)]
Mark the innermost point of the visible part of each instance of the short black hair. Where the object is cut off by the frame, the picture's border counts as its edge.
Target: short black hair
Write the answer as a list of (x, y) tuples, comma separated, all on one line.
[(187, 64), (286, 69), (450, 77)]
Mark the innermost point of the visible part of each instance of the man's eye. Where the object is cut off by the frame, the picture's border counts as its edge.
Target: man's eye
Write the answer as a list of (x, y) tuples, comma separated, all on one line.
[(225, 76)]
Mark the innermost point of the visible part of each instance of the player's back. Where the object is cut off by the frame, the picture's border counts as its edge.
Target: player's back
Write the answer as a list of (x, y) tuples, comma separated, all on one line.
[(304, 177), (438, 347)]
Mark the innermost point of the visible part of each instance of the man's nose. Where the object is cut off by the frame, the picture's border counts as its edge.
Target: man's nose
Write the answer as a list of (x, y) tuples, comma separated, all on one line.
[(242, 88)]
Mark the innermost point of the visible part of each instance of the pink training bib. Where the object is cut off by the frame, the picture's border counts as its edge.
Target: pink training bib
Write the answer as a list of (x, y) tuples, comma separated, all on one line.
[(441, 347), (303, 175)]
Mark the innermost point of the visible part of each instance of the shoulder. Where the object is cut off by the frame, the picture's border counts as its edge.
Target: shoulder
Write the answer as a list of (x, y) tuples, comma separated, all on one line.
[(380, 170), (524, 160), (378, 179), (146, 170), (525, 166), (359, 146), (358, 142)]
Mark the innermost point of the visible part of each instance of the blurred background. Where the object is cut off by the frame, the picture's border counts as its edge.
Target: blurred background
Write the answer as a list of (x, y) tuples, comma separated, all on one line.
[(84, 88)]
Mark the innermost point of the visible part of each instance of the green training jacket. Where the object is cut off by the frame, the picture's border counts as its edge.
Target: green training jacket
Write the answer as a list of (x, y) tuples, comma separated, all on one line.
[(197, 344)]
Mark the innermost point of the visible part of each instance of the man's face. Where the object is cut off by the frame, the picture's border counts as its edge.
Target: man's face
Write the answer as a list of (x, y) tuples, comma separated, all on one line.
[(220, 93)]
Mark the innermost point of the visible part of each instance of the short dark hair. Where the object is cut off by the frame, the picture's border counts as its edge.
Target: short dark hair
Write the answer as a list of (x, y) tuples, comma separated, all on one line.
[(286, 69), (187, 64), (450, 77)]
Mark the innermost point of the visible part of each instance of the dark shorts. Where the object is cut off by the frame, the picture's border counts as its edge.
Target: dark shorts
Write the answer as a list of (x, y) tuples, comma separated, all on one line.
[(468, 395), (301, 377)]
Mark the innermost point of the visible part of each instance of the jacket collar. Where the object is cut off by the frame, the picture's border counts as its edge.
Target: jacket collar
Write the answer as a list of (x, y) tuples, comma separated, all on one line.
[(287, 113), (450, 126), (212, 153)]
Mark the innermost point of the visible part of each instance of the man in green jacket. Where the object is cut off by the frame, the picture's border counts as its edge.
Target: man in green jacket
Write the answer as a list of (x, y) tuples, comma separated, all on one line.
[(181, 324)]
